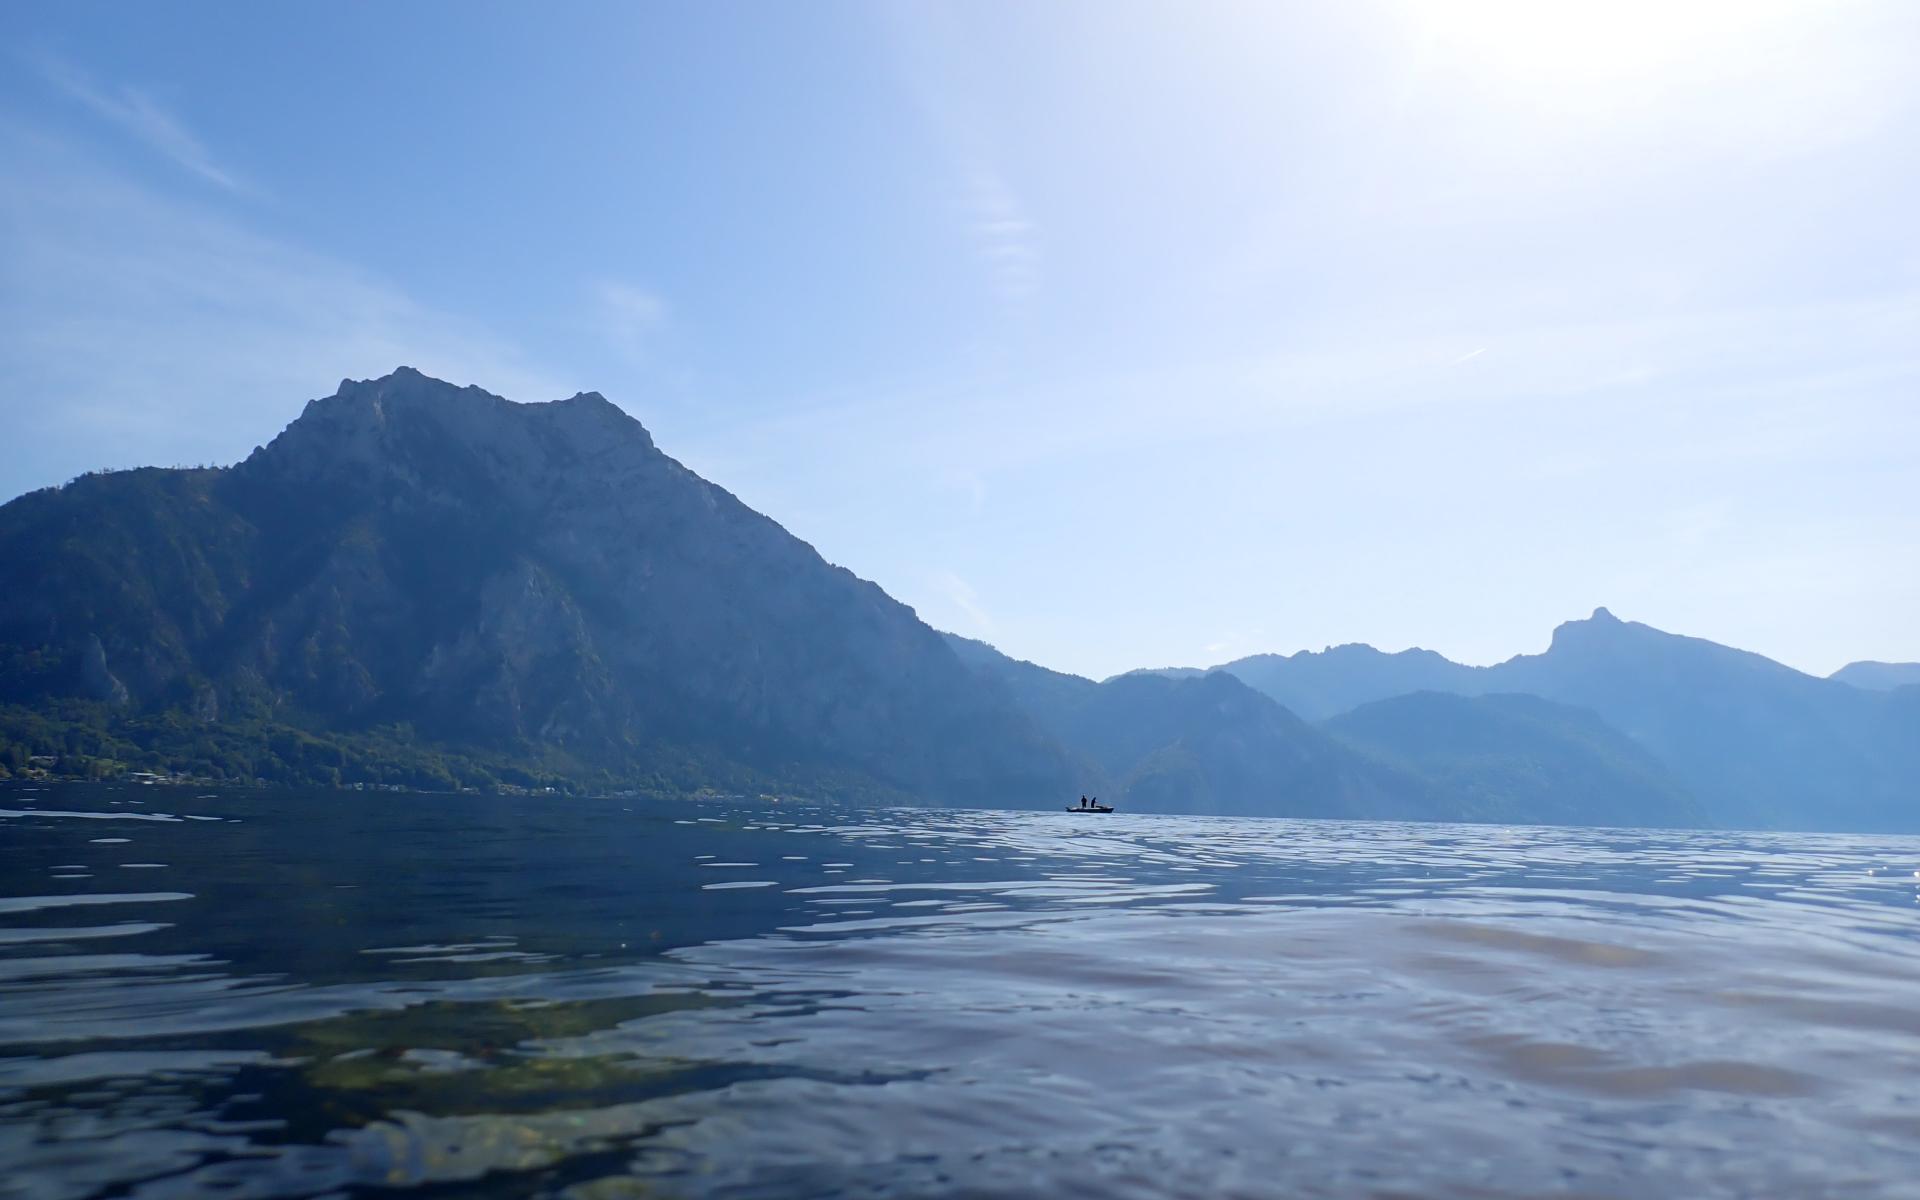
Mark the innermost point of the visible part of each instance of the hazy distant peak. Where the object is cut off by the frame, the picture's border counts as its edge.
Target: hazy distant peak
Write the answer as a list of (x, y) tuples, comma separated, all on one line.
[(1604, 638), (1343, 650), (1601, 626), (1602, 618), (1344, 654), (1878, 676), (1357, 650), (1166, 672)]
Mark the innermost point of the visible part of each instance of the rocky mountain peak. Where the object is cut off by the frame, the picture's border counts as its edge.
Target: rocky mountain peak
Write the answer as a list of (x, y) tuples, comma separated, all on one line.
[(1599, 630), (411, 425)]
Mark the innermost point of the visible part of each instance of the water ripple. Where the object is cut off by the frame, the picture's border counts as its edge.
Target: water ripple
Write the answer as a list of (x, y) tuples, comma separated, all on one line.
[(565, 1001)]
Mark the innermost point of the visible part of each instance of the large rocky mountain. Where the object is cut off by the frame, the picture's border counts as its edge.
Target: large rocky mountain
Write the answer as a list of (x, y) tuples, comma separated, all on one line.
[(531, 576)]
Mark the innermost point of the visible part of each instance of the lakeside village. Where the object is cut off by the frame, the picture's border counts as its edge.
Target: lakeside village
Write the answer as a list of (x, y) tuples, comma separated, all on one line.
[(81, 743), (48, 768), (85, 742)]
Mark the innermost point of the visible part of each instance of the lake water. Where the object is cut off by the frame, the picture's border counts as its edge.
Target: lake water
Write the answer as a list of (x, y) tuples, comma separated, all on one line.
[(256, 994)]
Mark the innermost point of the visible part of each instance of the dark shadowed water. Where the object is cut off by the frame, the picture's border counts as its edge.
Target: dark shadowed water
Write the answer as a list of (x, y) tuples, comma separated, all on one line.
[(279, 994)]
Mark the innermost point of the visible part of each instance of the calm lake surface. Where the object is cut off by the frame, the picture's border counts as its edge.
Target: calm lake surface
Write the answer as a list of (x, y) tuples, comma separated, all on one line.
[(253, 994)]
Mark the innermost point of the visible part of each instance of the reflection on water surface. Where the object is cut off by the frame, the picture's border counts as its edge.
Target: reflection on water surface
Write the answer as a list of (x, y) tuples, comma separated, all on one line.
[(262, 995)]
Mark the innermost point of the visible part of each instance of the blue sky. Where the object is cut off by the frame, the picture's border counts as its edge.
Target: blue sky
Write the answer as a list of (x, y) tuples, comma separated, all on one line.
[(1115, 334)]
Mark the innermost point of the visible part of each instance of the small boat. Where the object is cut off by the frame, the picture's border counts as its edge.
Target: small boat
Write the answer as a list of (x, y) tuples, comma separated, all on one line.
[(1095, 807)]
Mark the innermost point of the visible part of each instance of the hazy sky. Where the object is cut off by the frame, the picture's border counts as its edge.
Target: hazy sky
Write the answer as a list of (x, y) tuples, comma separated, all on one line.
[(1117, 335)]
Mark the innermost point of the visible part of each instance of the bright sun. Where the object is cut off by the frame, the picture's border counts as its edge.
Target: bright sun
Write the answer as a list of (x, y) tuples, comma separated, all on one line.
[(1577, 44)]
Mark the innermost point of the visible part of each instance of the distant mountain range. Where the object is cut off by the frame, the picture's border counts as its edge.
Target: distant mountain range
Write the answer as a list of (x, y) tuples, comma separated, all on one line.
[(1753, 741), (1878, 676), (1203, 743), (427, 585), (1197, 741)]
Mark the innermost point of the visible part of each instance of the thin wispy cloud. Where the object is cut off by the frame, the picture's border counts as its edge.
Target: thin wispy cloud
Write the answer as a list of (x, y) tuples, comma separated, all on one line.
[(973, 487), (1005, 235), (937, 72), (142, 329), (138, 115), (964, 602), (630, 315)]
